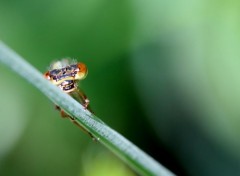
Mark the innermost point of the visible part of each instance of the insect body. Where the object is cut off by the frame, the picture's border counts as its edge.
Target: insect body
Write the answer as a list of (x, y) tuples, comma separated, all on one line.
[(66, 75)]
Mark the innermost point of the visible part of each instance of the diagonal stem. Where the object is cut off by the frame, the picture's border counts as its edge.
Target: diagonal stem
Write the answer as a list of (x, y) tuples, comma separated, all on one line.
[(127, 151)]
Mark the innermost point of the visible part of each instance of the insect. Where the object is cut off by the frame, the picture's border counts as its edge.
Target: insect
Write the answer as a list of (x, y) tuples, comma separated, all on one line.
[(66, 74)]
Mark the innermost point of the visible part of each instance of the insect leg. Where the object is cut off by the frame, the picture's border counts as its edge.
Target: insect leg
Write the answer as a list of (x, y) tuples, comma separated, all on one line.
[(81, 97), (65, 115)]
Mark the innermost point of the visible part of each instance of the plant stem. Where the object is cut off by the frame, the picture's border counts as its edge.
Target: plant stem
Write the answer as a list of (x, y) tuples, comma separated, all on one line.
[(128, 152)]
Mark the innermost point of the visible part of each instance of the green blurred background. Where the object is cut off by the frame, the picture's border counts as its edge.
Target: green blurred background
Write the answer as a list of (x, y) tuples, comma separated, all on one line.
[(165, 74)]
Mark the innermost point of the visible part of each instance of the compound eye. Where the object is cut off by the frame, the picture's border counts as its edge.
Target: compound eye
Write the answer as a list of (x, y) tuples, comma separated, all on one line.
[(47, 75), (81, 71)]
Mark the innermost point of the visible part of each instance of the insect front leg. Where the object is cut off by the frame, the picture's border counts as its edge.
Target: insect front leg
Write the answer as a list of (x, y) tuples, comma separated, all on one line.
[(81, 97), (84, 98)]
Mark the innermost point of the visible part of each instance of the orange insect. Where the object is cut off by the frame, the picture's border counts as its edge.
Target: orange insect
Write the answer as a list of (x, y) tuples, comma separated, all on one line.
[(66, 74)]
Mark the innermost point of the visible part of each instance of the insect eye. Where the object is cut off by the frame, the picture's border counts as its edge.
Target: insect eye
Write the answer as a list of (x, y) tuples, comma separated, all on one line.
[(47, 75), (81, 71), (82, 67)]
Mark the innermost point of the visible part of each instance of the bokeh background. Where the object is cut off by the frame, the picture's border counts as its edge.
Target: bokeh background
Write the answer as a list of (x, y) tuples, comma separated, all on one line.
[(165, 74)]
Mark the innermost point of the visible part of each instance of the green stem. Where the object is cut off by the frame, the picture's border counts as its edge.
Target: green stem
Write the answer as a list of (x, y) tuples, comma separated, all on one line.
[(131, 154)]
